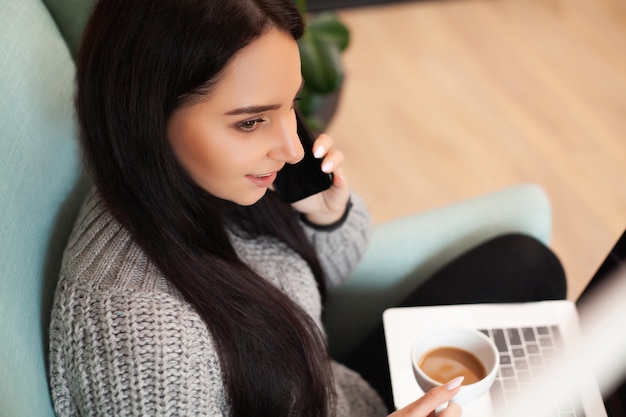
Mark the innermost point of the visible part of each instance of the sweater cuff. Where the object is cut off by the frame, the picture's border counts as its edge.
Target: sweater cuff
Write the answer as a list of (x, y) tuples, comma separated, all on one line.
[(332, 226)]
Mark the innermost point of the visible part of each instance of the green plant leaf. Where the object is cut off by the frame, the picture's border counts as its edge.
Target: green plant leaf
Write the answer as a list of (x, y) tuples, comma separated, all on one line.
[(301, 5), (328, 27), (309, 102), (321, 63)]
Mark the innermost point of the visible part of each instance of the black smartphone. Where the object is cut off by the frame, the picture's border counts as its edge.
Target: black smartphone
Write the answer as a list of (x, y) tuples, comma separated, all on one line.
[(297, 181)]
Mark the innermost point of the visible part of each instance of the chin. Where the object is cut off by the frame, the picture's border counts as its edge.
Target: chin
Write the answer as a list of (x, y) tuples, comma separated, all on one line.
[(251, 198)]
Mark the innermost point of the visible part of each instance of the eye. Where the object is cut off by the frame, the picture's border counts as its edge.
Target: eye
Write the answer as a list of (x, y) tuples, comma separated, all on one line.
[(250, 125)]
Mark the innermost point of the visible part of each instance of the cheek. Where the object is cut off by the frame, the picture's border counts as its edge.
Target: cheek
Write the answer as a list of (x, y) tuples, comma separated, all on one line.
[(215, 159), (195, 153), (196, 148)]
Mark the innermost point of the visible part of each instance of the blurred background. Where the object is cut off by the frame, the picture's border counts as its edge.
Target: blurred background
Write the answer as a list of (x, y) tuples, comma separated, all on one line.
[(444, 100)]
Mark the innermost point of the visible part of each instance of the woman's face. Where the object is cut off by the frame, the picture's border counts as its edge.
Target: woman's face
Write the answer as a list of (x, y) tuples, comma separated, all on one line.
[(234, 142)]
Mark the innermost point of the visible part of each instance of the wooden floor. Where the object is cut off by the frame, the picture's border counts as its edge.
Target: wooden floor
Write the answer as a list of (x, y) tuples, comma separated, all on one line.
[(446, 100)]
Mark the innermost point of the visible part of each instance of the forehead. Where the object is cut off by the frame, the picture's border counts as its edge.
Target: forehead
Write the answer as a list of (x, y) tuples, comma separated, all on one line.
[(264, 70)]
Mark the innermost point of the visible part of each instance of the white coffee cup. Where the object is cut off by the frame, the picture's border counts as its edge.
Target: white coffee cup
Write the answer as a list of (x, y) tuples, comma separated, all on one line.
[(466, 339)]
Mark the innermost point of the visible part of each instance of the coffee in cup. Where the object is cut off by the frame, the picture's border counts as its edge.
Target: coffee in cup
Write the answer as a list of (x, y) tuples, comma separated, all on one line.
[(445, 353), (446, 363)]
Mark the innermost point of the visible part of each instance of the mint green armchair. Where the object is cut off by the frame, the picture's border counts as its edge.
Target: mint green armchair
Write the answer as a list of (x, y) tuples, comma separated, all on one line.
[(42, 185)]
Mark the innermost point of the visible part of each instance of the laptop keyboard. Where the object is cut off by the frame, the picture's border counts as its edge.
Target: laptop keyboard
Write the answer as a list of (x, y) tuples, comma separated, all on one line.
[(524, 353)]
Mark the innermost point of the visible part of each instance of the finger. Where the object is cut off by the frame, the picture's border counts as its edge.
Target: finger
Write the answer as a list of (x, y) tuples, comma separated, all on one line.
[(336, 197), (434, 398), (339, 178), (322, 145), (452, 410), (332, 160)]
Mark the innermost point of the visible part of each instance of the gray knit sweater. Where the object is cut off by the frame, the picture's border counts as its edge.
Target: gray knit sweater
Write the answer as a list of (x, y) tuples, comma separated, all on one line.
[(123, 342)]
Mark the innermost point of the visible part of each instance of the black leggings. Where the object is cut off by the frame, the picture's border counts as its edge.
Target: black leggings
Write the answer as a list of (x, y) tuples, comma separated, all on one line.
[(506, 269)]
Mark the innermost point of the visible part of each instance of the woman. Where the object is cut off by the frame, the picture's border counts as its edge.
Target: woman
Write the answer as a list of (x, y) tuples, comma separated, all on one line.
[(188, 287)]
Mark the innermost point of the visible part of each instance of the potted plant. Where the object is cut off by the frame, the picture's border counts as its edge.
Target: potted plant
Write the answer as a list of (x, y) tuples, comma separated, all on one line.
[(320, 53)]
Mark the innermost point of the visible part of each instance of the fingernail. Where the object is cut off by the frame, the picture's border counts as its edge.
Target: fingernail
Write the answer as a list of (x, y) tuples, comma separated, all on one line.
[(451, 385), (319, 152), (327, 166)]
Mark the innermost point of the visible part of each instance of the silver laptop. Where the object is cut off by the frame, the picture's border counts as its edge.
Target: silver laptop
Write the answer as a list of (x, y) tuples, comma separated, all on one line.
[(531, 337)]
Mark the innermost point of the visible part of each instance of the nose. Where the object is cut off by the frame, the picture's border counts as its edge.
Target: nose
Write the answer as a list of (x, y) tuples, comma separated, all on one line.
[(287, 147)]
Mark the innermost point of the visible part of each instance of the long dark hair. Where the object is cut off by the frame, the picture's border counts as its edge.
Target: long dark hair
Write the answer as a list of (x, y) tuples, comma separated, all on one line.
[(138, 62)]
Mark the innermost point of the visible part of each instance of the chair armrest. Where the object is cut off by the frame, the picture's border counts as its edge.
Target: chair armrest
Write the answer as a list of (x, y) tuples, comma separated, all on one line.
[(403, 253)]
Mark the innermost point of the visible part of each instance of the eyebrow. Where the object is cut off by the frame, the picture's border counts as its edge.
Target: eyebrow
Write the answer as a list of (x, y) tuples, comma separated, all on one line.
[(252, 109), (260, 108)]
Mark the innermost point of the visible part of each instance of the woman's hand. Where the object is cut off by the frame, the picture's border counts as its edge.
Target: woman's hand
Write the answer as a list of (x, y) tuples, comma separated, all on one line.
[(426, 405), (328, 206)]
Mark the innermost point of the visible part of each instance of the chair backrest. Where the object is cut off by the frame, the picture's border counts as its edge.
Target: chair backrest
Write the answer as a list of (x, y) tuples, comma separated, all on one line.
[(41, 188), (70, 16)]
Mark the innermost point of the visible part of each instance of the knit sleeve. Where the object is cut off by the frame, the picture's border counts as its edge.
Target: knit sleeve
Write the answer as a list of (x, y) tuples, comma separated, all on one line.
[(340, 249), (131, 353)]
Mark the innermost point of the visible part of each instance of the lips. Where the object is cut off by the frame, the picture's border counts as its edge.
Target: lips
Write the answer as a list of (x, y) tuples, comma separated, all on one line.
[(262, 180)]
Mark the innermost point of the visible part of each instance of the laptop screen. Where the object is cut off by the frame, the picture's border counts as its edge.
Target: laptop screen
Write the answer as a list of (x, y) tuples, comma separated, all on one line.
[(615, 403), (615, 261)]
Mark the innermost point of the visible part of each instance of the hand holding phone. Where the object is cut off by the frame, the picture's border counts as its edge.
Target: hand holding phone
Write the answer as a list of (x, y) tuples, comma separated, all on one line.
[(298, 181)]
